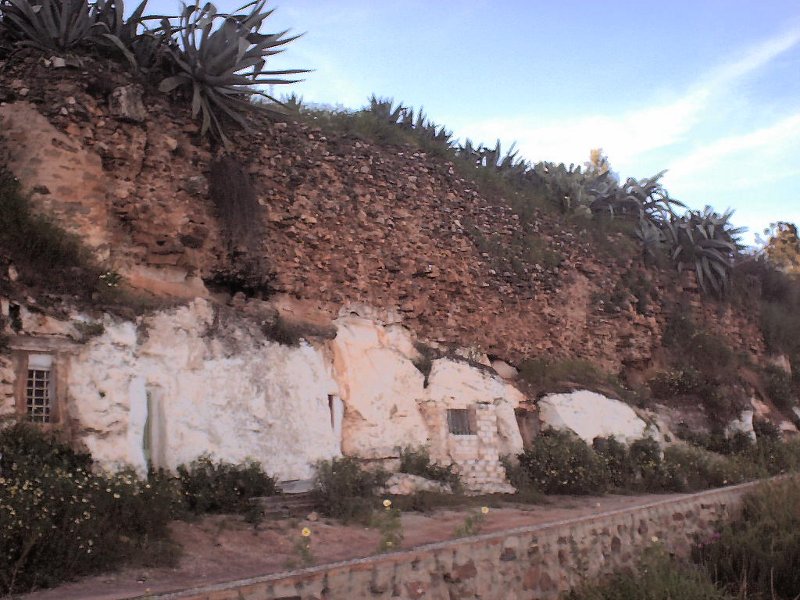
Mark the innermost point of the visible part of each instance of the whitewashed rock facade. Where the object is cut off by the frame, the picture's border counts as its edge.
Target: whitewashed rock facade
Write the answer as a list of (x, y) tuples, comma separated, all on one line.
[(186, 381), (590, 415)]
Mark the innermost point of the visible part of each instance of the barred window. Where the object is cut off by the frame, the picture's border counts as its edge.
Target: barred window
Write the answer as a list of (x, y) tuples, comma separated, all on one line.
[(39, 389), (458, 421)]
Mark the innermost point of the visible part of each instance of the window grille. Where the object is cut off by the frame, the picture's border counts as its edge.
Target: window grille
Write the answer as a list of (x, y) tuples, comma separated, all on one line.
[(458, 421), (37, 396)]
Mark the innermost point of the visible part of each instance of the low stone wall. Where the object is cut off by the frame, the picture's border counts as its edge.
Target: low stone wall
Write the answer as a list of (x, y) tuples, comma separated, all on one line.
[(536, 562)]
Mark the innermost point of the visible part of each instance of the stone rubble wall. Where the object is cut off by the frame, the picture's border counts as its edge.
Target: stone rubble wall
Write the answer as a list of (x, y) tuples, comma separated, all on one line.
[(538, 562), (344, 220)]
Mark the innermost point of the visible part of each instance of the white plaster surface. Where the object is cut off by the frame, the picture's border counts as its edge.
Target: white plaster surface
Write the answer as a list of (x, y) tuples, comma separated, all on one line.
[(590, 415), (380, 388), (197, 380), (253, 399), (744, 424)]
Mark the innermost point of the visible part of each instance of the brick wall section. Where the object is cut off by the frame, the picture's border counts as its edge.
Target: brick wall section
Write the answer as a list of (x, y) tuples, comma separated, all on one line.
[(537, 562)]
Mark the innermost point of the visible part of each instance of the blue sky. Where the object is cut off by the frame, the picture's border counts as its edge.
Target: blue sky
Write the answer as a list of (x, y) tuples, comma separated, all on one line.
[(709, 89)]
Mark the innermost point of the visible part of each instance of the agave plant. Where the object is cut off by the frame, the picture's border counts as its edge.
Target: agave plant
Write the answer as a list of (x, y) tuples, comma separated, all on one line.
[(65, 25), (53, 25), (220, 60), (706, 242), (293, 103), (638, 199), (563, 186), (385, 110), (431, 131), (470, 153)]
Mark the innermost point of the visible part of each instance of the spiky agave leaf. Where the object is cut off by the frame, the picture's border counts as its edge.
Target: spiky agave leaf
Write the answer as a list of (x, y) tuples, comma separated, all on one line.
[(220, 60), (385, 110), (705, 242), (53, 25)]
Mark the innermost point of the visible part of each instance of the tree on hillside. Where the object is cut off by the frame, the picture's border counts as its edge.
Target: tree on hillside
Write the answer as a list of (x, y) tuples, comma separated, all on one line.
[(598, 162), (782, 246)]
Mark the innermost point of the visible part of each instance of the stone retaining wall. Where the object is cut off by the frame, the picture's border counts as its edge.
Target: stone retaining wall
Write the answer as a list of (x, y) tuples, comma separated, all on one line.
[(536, 562)]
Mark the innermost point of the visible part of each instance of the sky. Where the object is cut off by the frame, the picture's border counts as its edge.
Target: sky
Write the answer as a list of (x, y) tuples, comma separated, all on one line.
[(707, 89)]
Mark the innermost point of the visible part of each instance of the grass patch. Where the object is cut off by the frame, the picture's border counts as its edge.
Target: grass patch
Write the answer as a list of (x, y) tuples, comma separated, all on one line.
[(43, 253), (546, 375), (757, 554), (656, 577)]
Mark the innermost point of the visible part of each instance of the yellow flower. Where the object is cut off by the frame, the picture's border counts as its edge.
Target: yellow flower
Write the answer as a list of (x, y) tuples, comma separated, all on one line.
[(485, 510), (306, 532), (387, 503), (654, 539)]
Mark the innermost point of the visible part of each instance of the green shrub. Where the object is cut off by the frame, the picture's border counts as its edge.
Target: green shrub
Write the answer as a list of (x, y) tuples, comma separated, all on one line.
[(25, 449), (780, 326), (757, 554), (561, 463), (679, 382), (775, 456), (766, 430), (418, 462), (518, 477), (221, 487), (687, 469), (656, 577), (620, 471), (58, 520), (344, 490), (645, 454), (716, 440), (779, 387)]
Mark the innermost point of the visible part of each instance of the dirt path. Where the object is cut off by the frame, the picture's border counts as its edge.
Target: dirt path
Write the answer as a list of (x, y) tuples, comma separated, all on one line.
[(224, 548)]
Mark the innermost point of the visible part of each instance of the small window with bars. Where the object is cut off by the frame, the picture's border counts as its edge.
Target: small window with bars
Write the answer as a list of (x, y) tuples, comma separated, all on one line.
[(39, 389), (459, 421)]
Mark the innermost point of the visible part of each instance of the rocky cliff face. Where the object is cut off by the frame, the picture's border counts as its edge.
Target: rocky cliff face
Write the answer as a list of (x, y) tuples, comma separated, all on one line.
[(343, 221)]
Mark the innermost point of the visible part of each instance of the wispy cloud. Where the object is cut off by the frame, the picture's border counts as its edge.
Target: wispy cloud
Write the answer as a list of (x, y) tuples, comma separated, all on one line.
[(776, 146), (627, 136)]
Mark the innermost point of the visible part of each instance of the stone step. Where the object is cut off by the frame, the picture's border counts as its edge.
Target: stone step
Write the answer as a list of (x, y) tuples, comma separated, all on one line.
[(286, 505)]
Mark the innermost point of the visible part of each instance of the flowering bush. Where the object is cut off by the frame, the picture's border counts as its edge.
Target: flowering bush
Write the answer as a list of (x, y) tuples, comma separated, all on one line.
[(559, 462), (58, 520)]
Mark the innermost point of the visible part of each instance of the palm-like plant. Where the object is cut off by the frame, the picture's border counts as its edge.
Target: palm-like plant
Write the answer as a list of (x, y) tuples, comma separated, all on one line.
[(220, 60)]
